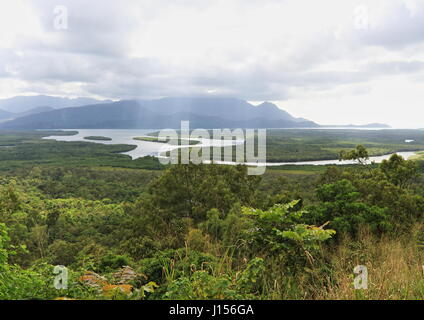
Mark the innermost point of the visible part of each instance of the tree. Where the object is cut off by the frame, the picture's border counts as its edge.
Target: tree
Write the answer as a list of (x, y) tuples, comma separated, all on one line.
[(183, 195), (399, 171), (190, 191), (282, 230), (4, 239), (360, 154), (341, 205)]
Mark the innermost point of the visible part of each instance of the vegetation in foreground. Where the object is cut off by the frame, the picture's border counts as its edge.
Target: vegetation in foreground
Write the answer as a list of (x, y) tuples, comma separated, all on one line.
[(209, 231)]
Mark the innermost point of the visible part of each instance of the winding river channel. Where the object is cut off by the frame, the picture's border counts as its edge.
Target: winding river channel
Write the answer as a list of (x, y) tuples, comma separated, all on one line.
[(148, 148)]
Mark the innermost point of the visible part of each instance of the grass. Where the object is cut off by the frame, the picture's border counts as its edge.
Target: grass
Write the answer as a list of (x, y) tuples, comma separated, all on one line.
[(418, 156), (394, 266)]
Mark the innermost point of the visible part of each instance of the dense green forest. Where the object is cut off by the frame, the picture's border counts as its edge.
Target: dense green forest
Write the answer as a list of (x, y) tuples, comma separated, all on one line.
[(134, 229)]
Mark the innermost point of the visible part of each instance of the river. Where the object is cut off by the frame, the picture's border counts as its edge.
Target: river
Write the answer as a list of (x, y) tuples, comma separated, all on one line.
[(147, 148)]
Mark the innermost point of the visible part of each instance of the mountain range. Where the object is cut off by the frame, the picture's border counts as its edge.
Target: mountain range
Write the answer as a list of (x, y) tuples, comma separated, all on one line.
[(6, 115), (45, 112), (162, 113), (21, 106)]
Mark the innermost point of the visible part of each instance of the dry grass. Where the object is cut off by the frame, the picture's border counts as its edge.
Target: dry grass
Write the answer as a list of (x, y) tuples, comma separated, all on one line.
[(394, 268)]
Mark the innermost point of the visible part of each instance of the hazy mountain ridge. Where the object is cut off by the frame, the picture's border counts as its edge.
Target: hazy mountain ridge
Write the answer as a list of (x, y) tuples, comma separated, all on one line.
[(163, 113), (225, 108), (22, 104), (5, 114)]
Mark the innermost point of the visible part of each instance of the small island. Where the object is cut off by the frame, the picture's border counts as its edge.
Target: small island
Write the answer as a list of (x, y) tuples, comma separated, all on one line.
[(98, 138), (155, 139)]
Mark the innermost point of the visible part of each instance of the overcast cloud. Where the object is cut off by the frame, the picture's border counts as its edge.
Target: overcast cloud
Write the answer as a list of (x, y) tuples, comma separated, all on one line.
[(331, 61)]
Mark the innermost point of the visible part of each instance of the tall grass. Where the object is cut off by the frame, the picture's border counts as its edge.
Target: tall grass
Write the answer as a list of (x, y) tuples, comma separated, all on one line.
[(394, 266)]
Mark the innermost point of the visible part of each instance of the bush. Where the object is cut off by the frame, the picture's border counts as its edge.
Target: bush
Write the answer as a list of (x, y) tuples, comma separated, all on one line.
[(281, 231), (341, 206), (111, 262), (171, 264)]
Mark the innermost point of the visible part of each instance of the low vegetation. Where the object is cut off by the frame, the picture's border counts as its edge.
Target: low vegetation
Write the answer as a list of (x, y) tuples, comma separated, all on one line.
[(98, 138)]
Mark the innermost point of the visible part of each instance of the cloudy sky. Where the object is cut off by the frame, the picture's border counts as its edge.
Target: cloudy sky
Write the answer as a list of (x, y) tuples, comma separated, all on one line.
[(331, 61)]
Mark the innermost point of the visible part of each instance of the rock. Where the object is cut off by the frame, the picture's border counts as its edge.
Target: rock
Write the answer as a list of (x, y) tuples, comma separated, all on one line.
[(93, 280), (125, 275)]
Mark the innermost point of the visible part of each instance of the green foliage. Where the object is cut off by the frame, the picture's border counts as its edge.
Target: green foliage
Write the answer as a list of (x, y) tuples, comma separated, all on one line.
[(20, 284), (360, 154), (4, 238), (170, 264), (250, 279), (110, 262), (17, 283), (340, 204), (190, 191), (380, 198), (202, 285), (183, 195), (399, 171), (280, 230), (214, 224)]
